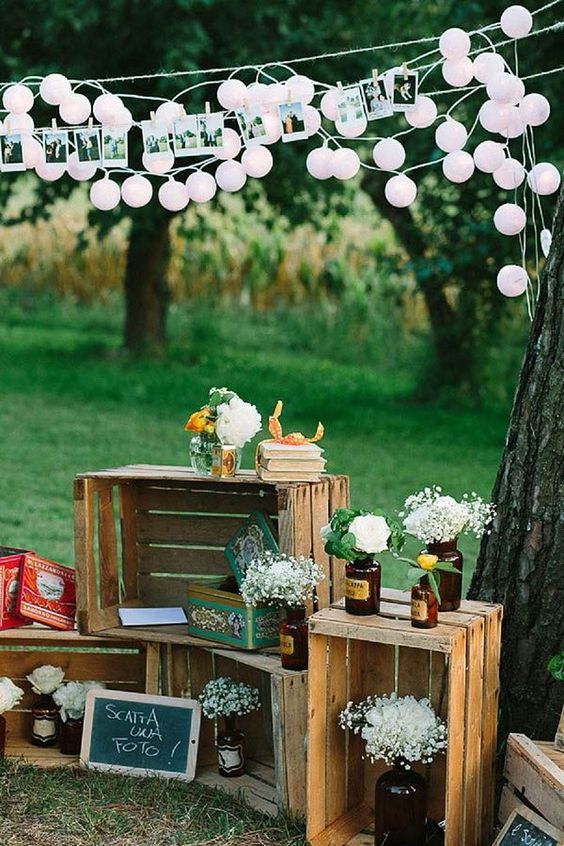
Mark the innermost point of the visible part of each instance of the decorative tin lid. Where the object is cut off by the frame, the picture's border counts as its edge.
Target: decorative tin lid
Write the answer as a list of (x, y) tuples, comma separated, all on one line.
[(252, 540)]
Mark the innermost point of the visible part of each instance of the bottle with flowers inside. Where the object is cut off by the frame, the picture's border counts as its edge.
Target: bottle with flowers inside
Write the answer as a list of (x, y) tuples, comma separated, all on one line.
[(400, 731), (44, 682), (226, 420), (281, 580), (71, 700), (10, 695), (227, 699), (438, 520), (357, 537)]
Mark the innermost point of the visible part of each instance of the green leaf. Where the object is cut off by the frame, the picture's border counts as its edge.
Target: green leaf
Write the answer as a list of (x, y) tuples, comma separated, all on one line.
[(556, 667), (434, 585), (444, 565)]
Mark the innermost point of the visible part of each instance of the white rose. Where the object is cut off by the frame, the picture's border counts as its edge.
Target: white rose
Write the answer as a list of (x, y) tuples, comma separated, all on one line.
[(10, 694), (237, 422), (371, 533), (46, 679)]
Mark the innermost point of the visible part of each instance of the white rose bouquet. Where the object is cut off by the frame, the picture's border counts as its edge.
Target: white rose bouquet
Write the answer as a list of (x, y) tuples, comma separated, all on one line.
[(433, 517), (396, 729), (46, 679), (226, 418), (10, 694), (355, 535), (71, 698), (224, 697), (280, 580)]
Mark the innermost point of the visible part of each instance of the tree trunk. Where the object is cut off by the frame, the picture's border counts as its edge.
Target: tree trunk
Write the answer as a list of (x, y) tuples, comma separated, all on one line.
[(521, 561), (146, 287)]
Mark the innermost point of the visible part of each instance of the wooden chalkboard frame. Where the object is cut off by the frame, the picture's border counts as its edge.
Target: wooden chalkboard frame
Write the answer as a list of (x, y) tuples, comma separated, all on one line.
[(526, 814), (146, 699)]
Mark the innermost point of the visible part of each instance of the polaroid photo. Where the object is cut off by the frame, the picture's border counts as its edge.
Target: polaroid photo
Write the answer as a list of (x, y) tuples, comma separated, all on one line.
[(210, 127), (155, 137), (293, 122), (114, 147), (11, 151), (56, 146), (404, 91), (350, 107), (186, 136), (87, 143), (376, 100), (251, 124)]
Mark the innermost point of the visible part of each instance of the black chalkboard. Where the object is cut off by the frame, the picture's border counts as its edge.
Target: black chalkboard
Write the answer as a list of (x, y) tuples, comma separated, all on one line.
[(141, 734), (525, 828)]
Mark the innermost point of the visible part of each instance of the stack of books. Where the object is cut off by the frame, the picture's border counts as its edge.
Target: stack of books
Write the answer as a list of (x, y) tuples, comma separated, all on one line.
[(278, 462)]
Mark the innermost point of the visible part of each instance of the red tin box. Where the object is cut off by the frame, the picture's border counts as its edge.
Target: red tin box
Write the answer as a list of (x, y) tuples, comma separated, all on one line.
[(47, 593), (11, 561)]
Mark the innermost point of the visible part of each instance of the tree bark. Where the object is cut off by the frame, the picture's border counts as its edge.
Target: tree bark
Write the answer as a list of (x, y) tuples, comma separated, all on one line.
[(146, 287), (521, 561)]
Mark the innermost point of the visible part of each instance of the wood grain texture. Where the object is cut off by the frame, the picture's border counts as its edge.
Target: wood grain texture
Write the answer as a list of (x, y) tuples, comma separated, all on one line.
[(127, 495), (320, 517), (317, 746), (454, 834), (535, 777), (107, 546), (339, 497)]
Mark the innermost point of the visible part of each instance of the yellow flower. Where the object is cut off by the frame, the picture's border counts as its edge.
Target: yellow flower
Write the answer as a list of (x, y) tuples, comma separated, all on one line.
[(427, 561), (200, 422)]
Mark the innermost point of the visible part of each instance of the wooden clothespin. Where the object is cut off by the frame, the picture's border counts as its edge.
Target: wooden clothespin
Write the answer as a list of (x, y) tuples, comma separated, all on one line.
[(207, 109), (289, 95), (375, 77), (153, 117), (54, 123), (90, 122), (405, 71), (339, 86)]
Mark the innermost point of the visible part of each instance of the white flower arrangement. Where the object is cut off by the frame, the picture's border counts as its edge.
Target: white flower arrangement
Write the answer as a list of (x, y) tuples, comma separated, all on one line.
[(280, 580), (432, 517), (237, 422), (356, 534), (71, 698), (396, 729), (46, 679), (10, 694), (224, 697)]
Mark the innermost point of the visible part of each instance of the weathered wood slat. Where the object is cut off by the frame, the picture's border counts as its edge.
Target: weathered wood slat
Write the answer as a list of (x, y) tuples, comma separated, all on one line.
[(181, 559), (535, 777), (178, 529), (338, 498), (107, 545), (240, 500), (129, 554)]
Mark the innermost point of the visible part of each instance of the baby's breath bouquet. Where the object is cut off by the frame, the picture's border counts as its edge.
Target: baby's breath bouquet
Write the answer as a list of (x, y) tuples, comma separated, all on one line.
[(433, 517), (396, 729), (224, 697), (280, 580)]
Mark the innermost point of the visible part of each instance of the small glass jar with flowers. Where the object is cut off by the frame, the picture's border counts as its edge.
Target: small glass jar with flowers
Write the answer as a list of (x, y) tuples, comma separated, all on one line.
[(10, 696), (226, 420), (437, 520), (71, 700), (401, 731), (357, 536), (44, 682), (227, 699), (288, 582)]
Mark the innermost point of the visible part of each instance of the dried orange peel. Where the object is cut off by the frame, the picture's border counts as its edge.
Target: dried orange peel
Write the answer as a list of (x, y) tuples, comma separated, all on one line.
[(294, 438)]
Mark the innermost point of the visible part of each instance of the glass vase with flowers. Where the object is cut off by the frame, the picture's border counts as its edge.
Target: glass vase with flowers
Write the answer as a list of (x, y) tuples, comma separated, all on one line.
[(227, 699)]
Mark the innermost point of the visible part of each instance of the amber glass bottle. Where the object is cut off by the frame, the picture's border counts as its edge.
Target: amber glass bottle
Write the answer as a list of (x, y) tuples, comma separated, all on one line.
[(71, 736), (230, 755), (362, 587), (293, 640), (424, 606), (400, 808), (451, 583), (2, 735), (45, 715)]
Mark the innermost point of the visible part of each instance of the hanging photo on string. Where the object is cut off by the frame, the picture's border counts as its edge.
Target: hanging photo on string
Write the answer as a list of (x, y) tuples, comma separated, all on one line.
[(11, 150), (251, 124), (376, 100), (350, 108), (56, 146), (210, 128), (114, 147), (155, 137), (404, 91), (87, 143), (292, 119), (186, 136)]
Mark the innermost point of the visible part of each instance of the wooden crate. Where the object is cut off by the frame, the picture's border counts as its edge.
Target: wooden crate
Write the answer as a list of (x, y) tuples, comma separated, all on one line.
[(534, 771), (275, 735), (141, 532), (128, 666), (456, 665)]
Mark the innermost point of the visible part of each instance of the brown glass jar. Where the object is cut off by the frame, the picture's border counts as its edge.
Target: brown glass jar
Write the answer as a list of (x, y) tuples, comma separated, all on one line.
[(362, 587), (230, 755), (70, 736), (400, 808), (293, 640), (2, 735), (450, 584), (45, 714), (424, 606)]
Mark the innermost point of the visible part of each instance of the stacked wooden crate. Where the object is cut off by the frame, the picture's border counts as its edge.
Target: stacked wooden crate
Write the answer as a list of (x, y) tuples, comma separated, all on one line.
[(534, 774)]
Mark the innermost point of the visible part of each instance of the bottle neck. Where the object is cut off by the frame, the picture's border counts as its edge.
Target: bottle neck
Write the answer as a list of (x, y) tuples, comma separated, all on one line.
[(438, 547), (230, 723), (295, 614), (365, 563)]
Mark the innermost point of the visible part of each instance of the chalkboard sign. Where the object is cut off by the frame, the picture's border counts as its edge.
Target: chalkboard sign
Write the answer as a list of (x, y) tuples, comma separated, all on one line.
[(525, 828), (139, 734)]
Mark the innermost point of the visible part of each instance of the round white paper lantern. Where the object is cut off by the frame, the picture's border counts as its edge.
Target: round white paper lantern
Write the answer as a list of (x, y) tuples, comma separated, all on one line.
[(510, 175), (55, 88), (168, 112), (257, 161), (75, 109), (257, 93), (346, 163), (312, 120), (515, 125), (509, 219), (272, 125), (451, 135), (231, 145), (534, 109), (328, 104), (173, 195), (512, 280), (81, 171), (230, 176), (458, 72), (158, 162), (17, 99), (277, 93), (400, 191), (489, 156), (487, 65), (516, 21), (424, 113), (201, 186), (136, 191), (319, 162), (301, 88), (105, 194), (494, 117), (458, 166), (544, 178), (50, 173), (32, 152), (454, 43), (108, 108), (352, 129), (123, 119), (389, 154), (505, 88), (19, 123), (231, 94)]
